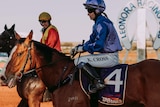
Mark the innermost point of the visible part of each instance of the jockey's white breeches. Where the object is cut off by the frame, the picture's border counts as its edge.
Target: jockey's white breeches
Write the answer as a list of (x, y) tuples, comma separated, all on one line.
[(99, 60)]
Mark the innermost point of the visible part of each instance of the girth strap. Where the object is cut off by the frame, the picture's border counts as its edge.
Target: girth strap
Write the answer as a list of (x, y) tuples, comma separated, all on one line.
[(61, 83)]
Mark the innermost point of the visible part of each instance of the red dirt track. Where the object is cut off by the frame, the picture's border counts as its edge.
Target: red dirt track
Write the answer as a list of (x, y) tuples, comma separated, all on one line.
[(9, 98)]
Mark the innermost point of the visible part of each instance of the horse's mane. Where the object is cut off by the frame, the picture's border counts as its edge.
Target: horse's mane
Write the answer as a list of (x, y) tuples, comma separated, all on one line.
[(45, 50)]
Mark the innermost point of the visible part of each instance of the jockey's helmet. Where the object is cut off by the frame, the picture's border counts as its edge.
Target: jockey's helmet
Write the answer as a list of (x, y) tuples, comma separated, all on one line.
[(45, 16), (98, 5)]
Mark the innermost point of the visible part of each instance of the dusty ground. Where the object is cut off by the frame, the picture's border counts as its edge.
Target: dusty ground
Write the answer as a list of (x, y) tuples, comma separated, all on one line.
[(9, 97)]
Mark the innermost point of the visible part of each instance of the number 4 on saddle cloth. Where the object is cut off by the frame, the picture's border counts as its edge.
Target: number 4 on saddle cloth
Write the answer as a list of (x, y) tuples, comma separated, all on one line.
[(115, 81)]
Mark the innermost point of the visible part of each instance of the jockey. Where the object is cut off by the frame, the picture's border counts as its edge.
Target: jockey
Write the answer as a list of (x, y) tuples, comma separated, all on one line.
[(103, 45), (50, 35)]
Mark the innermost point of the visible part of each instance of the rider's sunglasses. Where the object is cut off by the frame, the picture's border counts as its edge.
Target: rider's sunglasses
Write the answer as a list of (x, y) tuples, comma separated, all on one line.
[(42, 21), (90, 10)]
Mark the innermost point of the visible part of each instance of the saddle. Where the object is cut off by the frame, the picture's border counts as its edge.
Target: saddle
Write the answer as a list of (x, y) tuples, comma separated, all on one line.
[(115, 81)]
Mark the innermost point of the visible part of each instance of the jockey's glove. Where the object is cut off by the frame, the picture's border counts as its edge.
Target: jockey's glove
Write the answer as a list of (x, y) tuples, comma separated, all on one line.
[(76, 50)]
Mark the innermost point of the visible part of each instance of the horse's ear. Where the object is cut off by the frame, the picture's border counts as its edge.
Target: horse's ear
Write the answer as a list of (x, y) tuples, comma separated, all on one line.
[(13, 26), (5, 27), (30, 34), (29, 37), (17, 36)]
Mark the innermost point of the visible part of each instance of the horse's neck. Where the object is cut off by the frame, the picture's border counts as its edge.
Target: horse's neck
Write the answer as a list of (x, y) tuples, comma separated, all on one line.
[(59, 67)]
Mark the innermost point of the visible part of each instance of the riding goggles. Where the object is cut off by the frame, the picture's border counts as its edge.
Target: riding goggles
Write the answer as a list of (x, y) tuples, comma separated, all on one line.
[(90, 10), (43, 21)]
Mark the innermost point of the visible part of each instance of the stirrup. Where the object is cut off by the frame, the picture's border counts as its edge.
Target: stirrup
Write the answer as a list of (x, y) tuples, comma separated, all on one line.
[(94, 87)]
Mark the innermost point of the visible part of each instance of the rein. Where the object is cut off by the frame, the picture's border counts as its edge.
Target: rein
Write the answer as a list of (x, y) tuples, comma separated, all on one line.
[(30, 57), (34, 69), (60, 82)]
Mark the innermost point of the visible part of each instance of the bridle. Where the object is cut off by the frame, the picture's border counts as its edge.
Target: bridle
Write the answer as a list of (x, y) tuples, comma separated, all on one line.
[(20, 73)]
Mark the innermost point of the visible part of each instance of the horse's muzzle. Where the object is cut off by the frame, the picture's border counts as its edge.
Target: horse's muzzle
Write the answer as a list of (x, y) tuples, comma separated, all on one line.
[(3, 80), (8, 81)]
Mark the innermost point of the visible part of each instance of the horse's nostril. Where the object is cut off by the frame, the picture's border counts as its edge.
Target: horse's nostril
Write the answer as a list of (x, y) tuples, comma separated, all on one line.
[(3, 78)]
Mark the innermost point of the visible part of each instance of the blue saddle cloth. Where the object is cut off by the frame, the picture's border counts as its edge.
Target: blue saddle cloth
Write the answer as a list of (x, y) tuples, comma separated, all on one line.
[(115, 80)]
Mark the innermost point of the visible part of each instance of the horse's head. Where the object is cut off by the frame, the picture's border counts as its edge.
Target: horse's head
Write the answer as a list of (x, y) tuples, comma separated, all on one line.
[(8, 39), (7, 42), (20, 60)]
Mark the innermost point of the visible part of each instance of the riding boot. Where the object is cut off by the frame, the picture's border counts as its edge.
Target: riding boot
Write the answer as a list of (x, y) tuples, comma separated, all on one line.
[(97, 83)]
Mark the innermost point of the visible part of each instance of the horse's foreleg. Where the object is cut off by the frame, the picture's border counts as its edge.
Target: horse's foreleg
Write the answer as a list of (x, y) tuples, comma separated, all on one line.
[(47, 96), (34, 101), (35, 97), (23, 103)]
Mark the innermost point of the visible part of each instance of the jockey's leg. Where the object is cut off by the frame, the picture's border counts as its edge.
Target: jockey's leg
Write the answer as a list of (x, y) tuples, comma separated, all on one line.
[(93, 76)]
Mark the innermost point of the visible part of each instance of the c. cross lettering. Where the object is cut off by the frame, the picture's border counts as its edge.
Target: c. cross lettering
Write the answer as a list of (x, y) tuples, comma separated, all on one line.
[(100, 59)]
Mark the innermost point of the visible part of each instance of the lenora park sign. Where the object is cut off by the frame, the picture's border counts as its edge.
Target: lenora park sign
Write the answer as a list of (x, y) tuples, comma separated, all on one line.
[(150, 5)]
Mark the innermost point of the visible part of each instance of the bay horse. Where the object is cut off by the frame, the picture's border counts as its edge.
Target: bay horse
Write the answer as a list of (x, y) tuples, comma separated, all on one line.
[(56, 69), (30, 88)]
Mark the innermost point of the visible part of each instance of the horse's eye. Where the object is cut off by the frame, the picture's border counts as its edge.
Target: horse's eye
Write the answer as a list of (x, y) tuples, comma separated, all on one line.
[(19, 54)]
